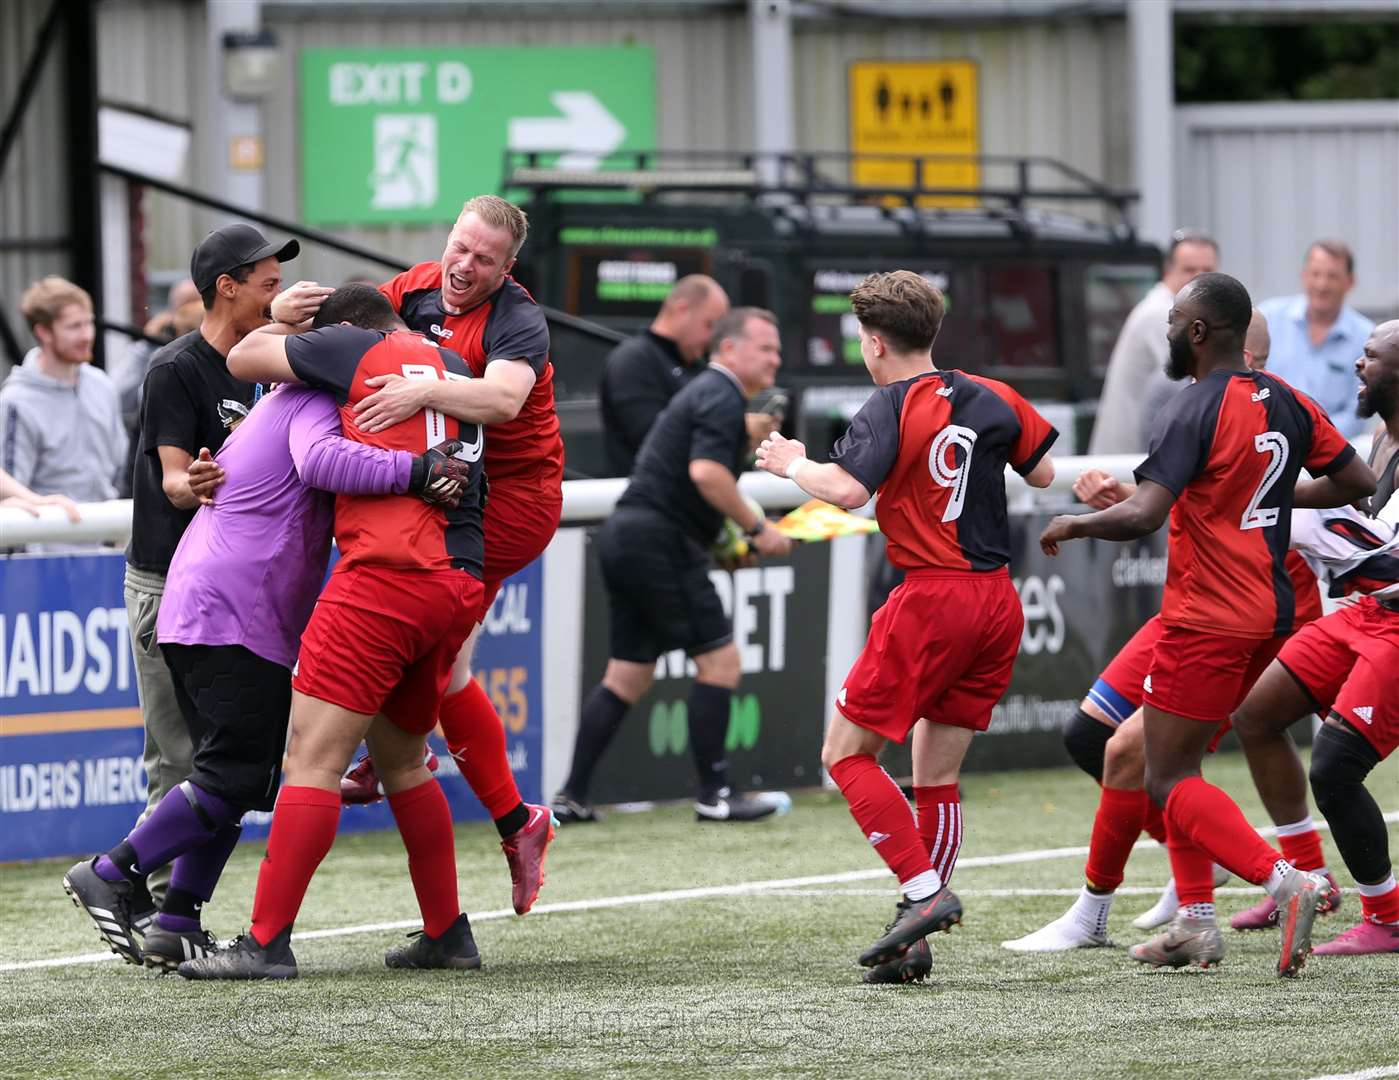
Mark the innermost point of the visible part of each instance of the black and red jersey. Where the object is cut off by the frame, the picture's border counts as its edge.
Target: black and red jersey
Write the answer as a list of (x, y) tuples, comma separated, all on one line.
[(508, 326), (935, 448), (1230, 448), (399, 531)]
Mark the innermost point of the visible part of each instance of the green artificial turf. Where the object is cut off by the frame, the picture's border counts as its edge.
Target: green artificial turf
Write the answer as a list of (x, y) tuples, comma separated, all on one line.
[(760, 983)]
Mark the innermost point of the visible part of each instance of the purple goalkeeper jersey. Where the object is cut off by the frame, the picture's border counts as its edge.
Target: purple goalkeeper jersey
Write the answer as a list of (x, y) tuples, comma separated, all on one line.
[(249, 567)]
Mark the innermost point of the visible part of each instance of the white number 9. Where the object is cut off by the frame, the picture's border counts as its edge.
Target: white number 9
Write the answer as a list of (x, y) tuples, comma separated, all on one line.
[(948, 440)]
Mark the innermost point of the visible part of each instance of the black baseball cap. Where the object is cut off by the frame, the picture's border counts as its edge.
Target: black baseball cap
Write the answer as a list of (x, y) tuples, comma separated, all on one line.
[(232, 246)]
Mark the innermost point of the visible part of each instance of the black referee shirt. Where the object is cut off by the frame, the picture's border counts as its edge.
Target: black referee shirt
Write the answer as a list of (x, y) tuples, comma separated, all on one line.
[(704, 420), (191, 401), (641, 375)]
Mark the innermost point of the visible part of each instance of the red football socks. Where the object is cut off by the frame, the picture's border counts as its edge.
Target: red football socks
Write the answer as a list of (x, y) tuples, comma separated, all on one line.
[(1121, 815), (940, 826), (424, 821), (1302, 849), (1155, 824), (1191, 868), (882, 813), (476, 738), (1380, 903), (303, 830), (1216, 826)]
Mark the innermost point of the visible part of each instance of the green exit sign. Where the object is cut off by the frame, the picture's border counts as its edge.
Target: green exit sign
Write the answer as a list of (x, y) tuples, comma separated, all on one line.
[(400, 136)]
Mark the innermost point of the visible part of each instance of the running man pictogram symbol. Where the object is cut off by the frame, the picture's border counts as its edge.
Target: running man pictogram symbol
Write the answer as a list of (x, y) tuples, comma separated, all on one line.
[(405, 161)]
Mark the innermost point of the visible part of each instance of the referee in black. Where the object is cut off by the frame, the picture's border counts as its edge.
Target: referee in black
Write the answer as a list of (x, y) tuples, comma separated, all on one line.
[(646, 370), (655, 564)]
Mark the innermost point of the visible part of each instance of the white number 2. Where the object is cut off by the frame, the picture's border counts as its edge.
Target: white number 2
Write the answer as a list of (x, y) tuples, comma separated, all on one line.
[(948, 439), (1275, 446), (436, 422)]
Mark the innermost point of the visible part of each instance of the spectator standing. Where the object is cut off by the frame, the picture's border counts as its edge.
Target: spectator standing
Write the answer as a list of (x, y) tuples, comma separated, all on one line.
[(644, 372), (1317, 335), (190, 404), (60, 424), (1140, 352)]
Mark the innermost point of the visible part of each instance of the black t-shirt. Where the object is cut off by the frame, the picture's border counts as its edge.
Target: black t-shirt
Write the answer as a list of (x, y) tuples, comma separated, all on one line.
[(191, 401), (703, 421), (642, 374)]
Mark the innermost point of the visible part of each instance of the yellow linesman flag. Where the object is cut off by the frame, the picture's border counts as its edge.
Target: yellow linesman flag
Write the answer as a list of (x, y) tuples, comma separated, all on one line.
[(817, 520)]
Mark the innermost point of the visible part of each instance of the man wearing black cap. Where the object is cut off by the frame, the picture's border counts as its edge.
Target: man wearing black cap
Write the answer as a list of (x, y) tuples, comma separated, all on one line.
[(189, 405)]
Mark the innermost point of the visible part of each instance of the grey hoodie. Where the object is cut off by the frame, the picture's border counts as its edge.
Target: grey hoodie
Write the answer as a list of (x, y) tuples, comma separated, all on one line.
[(62, 439)]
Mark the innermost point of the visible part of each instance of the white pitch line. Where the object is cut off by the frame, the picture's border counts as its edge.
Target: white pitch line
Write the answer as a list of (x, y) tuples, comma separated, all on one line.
[(1363, 1074), (1002, 894), (604, 902)]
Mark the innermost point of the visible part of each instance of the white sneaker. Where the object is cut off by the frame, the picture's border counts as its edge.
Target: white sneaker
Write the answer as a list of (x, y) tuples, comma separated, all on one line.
[(1162, 912), (1064, 933), (1164, 909)]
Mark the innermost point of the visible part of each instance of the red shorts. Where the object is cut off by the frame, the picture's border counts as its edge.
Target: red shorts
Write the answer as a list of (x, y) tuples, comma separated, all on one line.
[(519, 522), (1341, 661), (1128, 668), (1204, 676), (384, 640), (942, 648)]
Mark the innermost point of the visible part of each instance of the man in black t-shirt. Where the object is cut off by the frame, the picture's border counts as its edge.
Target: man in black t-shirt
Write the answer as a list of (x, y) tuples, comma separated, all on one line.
[(655, 565), (189, 404), (644, 372)]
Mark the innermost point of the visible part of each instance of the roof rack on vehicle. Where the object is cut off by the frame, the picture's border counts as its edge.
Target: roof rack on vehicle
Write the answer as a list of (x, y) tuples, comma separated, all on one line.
[(819, 190)]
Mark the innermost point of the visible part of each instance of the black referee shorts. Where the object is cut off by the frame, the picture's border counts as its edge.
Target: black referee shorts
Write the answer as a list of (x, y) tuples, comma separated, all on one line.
[(237, 706), (658, 589)]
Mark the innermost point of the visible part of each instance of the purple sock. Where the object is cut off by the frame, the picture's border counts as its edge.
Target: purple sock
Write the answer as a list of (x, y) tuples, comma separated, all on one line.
[(175, 826), (176, 924), (197, 871), (108, 870)]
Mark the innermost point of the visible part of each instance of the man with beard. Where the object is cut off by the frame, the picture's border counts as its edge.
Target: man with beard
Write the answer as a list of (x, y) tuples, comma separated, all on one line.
[(60, 423), (1342, 668), (1223, 464), (189, 406)]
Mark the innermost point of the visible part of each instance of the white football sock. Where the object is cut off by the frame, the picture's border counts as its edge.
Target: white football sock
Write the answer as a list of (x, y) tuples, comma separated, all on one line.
[(1281, 869), (921, 886), (1091, 910), (1198, 911)]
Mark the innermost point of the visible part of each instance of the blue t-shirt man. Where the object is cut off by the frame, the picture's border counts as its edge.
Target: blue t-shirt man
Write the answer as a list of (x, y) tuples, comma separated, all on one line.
[(1324, 370)]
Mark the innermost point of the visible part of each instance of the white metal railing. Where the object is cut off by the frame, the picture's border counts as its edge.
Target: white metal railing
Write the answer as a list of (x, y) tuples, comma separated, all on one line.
[(583, 500)]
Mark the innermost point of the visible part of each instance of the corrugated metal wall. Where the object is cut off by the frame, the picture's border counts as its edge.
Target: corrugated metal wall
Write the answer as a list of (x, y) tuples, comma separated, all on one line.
[(1269, 179), (153, 56), (33, 187), (1048, 87), (702, 89)]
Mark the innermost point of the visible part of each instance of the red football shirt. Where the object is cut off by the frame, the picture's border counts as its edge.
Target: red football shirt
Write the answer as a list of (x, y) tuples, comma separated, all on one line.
[(1230, 447), (935, 448), (399, 531), (508, 326)]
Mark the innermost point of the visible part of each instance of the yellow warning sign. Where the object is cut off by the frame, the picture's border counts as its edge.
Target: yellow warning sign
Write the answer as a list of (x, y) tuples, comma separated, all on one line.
[(915, 108)]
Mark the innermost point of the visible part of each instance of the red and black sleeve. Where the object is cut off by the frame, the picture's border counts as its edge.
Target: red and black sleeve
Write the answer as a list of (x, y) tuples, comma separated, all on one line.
[(1037, 434), (516, 329), (1182, 438), (329, 357)]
